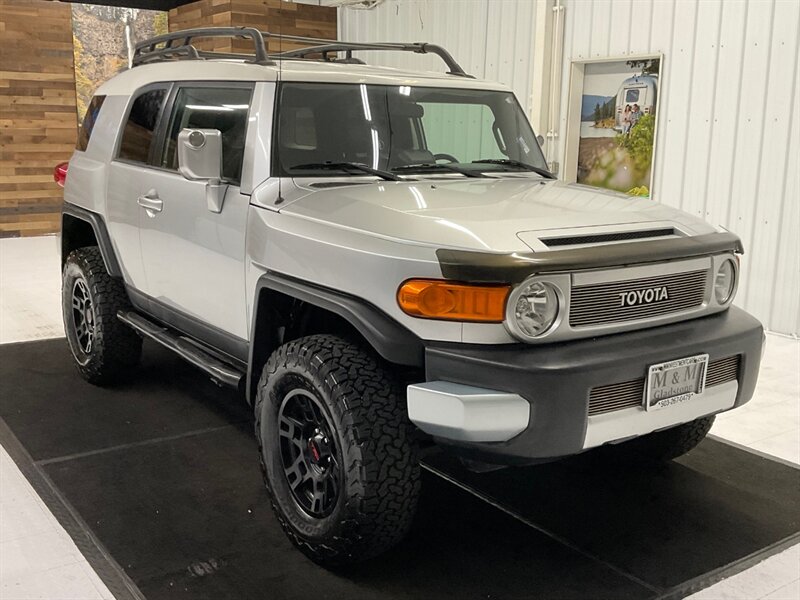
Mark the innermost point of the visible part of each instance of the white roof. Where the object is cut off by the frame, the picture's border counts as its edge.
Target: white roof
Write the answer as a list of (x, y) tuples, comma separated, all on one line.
[(130, 80)]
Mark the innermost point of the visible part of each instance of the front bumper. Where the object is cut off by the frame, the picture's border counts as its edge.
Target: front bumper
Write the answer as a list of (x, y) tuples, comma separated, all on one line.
[(542, 392)]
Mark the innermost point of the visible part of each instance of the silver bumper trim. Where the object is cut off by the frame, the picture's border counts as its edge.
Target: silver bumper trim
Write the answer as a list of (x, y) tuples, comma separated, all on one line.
[(631, 422), (465, 413)]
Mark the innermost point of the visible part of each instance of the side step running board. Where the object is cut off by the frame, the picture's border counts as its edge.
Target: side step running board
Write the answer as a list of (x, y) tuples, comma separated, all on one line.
[(218, 370)]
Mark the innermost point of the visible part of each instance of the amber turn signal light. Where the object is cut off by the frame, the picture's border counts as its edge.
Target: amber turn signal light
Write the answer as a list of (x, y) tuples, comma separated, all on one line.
[(434, 299)]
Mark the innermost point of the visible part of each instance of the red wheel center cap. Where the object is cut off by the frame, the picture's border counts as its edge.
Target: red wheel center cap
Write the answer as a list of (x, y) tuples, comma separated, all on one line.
[(314, 451)]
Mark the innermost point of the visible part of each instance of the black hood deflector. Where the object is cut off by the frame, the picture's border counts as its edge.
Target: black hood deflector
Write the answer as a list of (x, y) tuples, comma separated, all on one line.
[(466, 265)]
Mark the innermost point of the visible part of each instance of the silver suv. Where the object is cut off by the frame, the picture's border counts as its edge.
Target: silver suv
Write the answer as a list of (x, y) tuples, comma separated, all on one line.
[(381, 262)]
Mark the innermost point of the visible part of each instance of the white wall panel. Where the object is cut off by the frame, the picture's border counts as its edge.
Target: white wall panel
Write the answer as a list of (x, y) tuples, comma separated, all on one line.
[(640, 31), (489, 38), (674, 118), (619, 30), (728, 145), (600, 28), (772, 169), (728, 91), (750, 139), (784, 308), (697, 155)]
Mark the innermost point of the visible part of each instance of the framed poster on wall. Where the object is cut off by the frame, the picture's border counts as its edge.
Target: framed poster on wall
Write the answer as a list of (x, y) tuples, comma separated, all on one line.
[(103, 40), (612, 122)]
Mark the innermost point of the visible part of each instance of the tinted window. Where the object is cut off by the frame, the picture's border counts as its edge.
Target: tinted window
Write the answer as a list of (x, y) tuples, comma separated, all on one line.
[(632, 95), (89, 120), (463, 131), (388, 127), (300, 130), (224, 109), (138, 134)]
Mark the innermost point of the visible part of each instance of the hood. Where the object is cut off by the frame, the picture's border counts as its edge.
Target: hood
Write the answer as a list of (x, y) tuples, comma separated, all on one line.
[(489, 215)]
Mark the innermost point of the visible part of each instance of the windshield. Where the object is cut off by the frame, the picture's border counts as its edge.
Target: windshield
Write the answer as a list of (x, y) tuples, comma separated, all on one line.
[(395, 128)]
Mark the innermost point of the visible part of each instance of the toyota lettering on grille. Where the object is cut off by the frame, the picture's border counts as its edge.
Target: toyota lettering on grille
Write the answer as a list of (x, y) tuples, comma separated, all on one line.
[(644, 296)]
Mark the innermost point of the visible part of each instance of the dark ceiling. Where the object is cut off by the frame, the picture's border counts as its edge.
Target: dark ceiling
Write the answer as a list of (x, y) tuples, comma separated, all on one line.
[(151, 4)]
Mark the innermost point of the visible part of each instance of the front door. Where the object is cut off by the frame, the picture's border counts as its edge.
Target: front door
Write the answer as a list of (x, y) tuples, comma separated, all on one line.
[(194, 257)]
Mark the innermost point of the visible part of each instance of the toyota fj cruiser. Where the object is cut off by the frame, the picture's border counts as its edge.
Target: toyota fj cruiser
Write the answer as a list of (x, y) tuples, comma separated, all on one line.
[(381, 261)]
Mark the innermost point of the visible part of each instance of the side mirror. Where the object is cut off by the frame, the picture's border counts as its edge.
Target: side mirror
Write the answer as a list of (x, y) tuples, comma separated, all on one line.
[(200, 154), (540, 139), (200, 159)]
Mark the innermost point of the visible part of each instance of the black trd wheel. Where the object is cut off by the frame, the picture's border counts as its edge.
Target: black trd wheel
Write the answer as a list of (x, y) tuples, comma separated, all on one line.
[(309, 455), (665, 445), (337, 450), (102, 346)]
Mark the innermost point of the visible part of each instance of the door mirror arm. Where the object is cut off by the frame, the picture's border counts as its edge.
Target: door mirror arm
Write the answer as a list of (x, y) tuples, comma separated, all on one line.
[(200, 159), (215, 196)]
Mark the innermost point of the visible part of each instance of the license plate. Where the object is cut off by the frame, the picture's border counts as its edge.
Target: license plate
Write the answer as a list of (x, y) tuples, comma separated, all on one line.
[(675, 381)]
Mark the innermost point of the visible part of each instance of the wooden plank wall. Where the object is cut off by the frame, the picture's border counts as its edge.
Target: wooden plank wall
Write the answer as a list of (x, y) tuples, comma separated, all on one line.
[(205, 13), (37, 90), (288, 18), (267, 15), (38, 121)]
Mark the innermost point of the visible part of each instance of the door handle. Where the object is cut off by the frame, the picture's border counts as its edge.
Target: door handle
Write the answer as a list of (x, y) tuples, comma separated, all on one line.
[(151, 202)]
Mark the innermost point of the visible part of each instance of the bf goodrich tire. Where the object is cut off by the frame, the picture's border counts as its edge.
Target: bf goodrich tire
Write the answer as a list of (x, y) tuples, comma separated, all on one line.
[(665, 445), (102, 346), (337, 450)]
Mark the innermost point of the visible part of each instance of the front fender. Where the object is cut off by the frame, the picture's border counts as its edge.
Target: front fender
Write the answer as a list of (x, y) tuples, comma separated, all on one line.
[(389, 338)]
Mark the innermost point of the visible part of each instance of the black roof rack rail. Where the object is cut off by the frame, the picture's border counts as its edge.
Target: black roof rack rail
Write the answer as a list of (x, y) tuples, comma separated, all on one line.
[(156, 55), (151, 50), (178, 45), (331, 46)]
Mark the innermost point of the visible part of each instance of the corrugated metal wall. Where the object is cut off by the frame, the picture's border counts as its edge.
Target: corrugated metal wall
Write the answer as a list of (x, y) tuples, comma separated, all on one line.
[(489, 38), (728, 145)]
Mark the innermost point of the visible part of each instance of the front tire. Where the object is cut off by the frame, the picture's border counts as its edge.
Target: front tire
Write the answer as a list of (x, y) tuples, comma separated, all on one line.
[(337, 450), (102, 346)]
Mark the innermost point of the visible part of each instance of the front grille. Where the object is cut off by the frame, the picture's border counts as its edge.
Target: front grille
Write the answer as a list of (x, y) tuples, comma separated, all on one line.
[(723, 370), (601, 238), (600, 303), (616, 396)]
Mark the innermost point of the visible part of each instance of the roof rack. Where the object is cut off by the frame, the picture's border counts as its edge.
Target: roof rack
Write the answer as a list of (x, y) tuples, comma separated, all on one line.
[(349, 47), (151, 50), (177, 45)]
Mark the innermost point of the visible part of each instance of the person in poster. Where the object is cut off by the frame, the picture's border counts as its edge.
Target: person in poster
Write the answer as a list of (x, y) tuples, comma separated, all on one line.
[(636, 114), (617, 132)]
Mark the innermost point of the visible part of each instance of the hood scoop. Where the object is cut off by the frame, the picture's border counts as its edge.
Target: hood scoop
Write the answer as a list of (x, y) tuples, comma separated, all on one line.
[(601, 238), (566, 238)]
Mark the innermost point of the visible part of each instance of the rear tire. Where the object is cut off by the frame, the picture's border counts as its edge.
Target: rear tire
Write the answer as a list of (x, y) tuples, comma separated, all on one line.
[(102, 346), (337, 450), (662, 446)]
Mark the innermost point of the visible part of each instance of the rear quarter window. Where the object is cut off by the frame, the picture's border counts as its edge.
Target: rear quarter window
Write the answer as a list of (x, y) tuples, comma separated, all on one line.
[(89, 119), (137, 137)]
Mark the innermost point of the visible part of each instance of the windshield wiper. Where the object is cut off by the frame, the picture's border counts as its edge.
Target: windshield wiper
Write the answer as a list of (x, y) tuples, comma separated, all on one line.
[(518, 164), (436, 166), (344, 166)]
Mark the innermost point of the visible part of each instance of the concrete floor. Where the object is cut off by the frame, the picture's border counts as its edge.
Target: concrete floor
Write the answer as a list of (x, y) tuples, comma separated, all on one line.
[(39, 560)]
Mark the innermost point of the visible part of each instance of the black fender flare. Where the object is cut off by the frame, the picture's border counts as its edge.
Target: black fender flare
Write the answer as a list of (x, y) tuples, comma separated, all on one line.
[(390, 339), (100, 233)]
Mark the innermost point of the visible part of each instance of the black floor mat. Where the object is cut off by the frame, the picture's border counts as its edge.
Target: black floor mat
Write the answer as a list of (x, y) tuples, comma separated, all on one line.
[(157, 481)]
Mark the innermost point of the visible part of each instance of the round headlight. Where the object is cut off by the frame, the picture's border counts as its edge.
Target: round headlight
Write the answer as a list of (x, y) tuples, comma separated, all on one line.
[(533, 308), (724, 282)]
